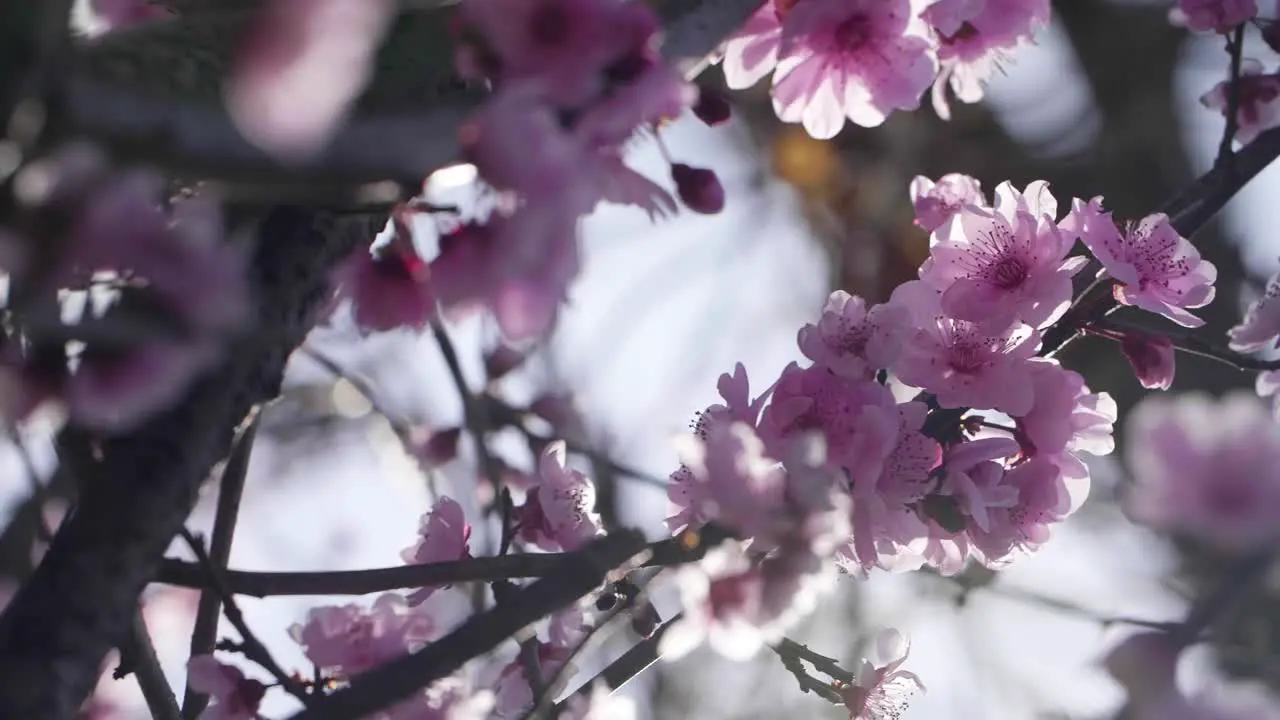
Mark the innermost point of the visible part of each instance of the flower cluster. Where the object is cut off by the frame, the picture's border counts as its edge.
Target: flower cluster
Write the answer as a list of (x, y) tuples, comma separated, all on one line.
[(827, 467), (860, 60)]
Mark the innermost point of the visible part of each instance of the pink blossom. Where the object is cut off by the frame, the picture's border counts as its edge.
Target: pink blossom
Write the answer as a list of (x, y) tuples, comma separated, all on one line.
[(1205, 468), (1258, 97), (1216, 15), (752, 52), (852, 340), (1151, 357), (1261, 324), (235, 697), (351, 639), (1156, 269), (699, 188), (738, 404), (1066, 419), (600, 704), (566, 43), (515, 697), (741, 488), (859, 59), (937, 203), (443, 536), (881, 689), (965, 364), (816, 399), (737, 606), (974, 37), (559, 514), (995, 267), (389, 289), (303, 65), (973, 477), (1043, 501)]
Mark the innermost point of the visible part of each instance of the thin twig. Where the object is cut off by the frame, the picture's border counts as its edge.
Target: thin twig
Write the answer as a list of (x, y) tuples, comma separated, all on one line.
[(807, 682), (161, 702), (1235, 49), (230, 490), (250, 645), (787, 647), (1243, 576)]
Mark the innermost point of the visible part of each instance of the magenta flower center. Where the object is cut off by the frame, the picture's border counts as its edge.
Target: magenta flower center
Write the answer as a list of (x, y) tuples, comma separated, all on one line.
[(1009, 273), (727, 592), (853, 34), (967, 359)]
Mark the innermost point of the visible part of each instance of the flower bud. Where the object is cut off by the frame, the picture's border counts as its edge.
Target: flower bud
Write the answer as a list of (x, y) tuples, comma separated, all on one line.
[(699, 188), (1151, 357), (712, 107)]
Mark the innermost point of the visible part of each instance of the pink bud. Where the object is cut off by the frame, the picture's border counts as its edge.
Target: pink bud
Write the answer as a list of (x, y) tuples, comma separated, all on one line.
[(1151, 357), (712, 107), (502, 360), (699, 188), (439, 447), (559, 410)]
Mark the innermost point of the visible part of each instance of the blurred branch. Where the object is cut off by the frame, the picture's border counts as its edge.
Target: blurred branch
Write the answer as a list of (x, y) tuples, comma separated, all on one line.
[(480, 633), (144, 664), (1235, 50), (230, 490), (1238, 581)]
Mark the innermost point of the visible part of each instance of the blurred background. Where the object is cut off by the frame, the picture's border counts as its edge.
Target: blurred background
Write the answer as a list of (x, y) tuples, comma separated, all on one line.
[(1106, 103)]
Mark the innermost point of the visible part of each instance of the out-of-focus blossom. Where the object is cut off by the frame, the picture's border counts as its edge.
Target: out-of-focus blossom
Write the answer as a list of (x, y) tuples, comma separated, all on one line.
[(741, 488), (351, 639), (450, 698), (389, 289), (936, 203), (235, 697), (975, 38), (752, 51), (515, 697), (1260, 327), (995, 267), (1155, 268), (1206, 468), (854, 59), (699, 188), (852, 340), (559, 514), (1213, 15), (600, 704), (1258, 98), (443, 535), (881, 689), (303, 64)]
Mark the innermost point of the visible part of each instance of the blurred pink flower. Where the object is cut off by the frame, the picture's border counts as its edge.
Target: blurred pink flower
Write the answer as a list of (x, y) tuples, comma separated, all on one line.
[(1216, 15), (936, 203), (752, 52), (1157, 269), (1260, 327), (389, 289), (995, 267), (1259, 100), (302, 66), (235, 697), (855, 59), (740, 487), (852, 340), (881, 689), (443, 535), (352, 639), (558, 514), (1205, 468)]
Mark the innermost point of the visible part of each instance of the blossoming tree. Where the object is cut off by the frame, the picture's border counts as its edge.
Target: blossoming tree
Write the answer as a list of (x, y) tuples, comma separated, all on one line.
[(217, 169)]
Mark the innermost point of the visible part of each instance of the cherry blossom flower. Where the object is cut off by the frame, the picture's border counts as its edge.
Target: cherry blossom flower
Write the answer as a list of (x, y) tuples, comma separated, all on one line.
[(855, 59), (351, 639), (741, 488), (302, 66), (738, 606), (1213, 15), (881, 689), (443, 536), (1260, 327), (852, 340), (936, 203), (965, 364), (816, 399), (389, 289), (1258, 96), (973, 477), (1205, 468), (1043, 501), (235, 697), (559, 514), (995, 267), (974, 37), (1066, 419), (752, 51), (1156, 269)]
